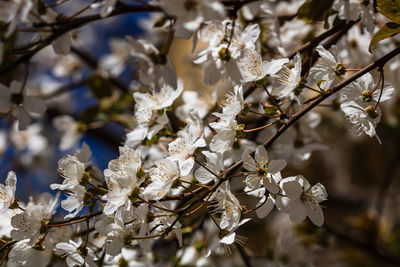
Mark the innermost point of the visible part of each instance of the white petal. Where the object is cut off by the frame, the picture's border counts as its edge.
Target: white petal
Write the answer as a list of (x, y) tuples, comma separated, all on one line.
[(22, 116), (34, 105), (292, 188), (11, 181), (211, 73), (296, 210), (266, 208), (228, 239), (314, 212), (186, 166), (261, 154), (388, 92), (276, 166), (66, 247), (274, 66)]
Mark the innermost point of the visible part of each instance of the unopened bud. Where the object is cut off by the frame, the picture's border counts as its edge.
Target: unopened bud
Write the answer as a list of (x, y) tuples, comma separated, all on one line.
[(82, 251), (366, 95), (371, 112), (128, 239), (224, 54), (340, 70)]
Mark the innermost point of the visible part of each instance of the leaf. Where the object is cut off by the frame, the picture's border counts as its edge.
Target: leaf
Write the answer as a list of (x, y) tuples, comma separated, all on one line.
[(390, 9), (314, 10), (388, 30)]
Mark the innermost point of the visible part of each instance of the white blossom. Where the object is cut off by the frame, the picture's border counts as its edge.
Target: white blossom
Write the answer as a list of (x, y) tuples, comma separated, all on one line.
[(15, 100), (253, 68), (328, 68), (182, 149), (359, 104), (215, 164), (76, 254), (7, 191), (69, 129), (300, 200), (122, 179), (162, 177), (260, 171)]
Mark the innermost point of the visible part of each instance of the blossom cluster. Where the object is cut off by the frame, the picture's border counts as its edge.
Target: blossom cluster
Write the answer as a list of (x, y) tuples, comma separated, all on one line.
[(182, 151)]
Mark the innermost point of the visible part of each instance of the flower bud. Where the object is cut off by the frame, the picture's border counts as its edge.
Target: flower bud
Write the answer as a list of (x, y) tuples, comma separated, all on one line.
[(371, 112), (82, 251), (224, 54), (366, 95), (128, 239), (134, 195), (340, 70), (122, 262)]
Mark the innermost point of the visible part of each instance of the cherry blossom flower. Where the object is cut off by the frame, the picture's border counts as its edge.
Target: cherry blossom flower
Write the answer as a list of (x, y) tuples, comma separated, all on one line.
[(232, 105), (147, 111), (288, 79), (31, 140), (69, 129), (24, 254), (225, 137), (72, 170), (27, 223), (122, 179), (162, 177), (15, 100), (77, 255), (223, 58), (328, 68), (182, 149), (215, 163), (260, 171), (300, 200), (229, 207), (253, 68), (359, 104), (7, 192)]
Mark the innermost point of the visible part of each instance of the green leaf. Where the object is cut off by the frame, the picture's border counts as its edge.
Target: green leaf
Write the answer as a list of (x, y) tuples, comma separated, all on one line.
[(390, 9), (388, 30), (271, 110), (314, 10)]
